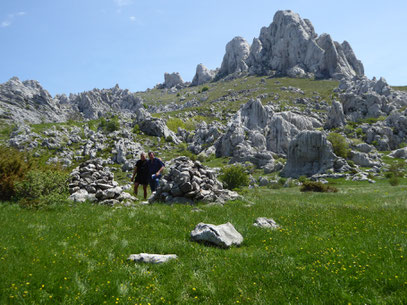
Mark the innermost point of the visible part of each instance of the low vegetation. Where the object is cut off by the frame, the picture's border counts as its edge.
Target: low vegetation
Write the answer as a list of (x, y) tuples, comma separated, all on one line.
[(347, 247), (316, 186), (234, 176), (339, 144)]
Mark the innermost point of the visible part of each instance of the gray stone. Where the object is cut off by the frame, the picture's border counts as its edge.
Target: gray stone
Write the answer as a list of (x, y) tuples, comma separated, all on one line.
[(151, 258), (224, 235), (309, 153), (203, 75), (267, 223), (234, 61), (172, 80)]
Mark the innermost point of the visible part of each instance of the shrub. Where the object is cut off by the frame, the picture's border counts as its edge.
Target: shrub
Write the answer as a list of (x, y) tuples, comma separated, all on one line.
[(42, 187), (13, 167), (234, 176), (302, 179), (397, 168), (316, 186), (136, 129), (110, 125), (339, 144), (174, 123), (394, 180), (204, 89)]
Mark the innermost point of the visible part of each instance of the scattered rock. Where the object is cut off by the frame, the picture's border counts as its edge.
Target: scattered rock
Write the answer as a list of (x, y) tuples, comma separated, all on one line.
[(224, 235), (267, 223), (151, 258)]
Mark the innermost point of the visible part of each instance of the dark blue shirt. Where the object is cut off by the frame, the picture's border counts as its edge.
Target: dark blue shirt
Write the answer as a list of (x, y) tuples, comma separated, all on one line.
[(154, 166)]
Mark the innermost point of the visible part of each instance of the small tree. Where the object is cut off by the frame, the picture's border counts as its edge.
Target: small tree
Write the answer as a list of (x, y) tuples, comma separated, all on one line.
[(339, 144), (234, 177)]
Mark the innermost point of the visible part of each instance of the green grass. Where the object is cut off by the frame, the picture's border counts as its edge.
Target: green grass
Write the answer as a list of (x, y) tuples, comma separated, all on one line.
[(401, 88), (348, 247)]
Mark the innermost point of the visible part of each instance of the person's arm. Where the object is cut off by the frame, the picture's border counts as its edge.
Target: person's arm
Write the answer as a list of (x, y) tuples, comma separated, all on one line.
[(134, 173), (161, 169)]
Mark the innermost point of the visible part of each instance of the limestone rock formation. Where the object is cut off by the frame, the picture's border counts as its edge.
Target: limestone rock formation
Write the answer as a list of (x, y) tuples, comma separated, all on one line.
[(290, 46), (309, 153), (172, 80), (203, 75), (27, 101), (336, 117), (224, 235), (234, 61)]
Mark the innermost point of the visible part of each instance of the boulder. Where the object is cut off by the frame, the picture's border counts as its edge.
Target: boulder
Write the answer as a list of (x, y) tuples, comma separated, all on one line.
[(308, 154), (336, 117), (224, 235), (399, 153)]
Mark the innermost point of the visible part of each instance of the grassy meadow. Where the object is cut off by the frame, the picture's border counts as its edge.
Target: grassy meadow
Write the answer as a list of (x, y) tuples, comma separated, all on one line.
[(336, 248)]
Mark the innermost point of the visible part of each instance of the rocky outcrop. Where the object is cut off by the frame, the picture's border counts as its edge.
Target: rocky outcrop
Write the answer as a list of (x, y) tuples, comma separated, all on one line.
[(205, 137), (309, 153), (234, 61), (399, 153), (154, 126), (336, 117), (203, 75), (290, 46), (190, 181), (27, 101), (267, 223), (100, 102), (224, 235), (94, 182), (173, 80)]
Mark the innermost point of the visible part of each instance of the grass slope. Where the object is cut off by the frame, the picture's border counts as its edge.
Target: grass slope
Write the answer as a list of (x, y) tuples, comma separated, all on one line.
[(342, 248)]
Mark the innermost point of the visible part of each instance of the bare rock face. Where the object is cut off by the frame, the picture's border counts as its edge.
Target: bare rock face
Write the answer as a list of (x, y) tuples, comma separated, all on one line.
[(224, 235), (203, 75), (173, 80), (234, 61), (290, 46), (336, 117), (98, 102), (28, 101), (309, 153)]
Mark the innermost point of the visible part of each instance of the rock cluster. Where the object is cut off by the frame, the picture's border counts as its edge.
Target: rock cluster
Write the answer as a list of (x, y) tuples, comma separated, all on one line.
[(267, 223), (94, 182), (290, 46), (189, 181), (224, 235)]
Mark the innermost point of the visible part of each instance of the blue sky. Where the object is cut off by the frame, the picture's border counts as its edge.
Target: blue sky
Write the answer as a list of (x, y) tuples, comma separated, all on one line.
[(77, 45)]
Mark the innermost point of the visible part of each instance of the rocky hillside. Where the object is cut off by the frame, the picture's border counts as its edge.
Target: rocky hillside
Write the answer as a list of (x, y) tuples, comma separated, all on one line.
[(291, 126)]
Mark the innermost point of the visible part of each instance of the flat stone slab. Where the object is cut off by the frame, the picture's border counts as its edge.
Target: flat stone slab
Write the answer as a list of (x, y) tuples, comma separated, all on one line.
[(151, 258), (268, 223), (224, 235)]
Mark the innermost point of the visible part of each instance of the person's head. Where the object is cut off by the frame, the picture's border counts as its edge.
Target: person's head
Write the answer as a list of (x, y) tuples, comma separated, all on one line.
[(151, 155), (142, 156)]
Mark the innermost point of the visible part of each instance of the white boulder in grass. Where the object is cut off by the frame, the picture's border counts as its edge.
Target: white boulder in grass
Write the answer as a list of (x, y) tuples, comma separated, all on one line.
[(267, 223), (151, 258), (224, 235)]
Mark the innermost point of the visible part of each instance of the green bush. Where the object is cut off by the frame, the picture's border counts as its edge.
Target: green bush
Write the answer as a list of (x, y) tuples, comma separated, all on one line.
[(42, 187), (397, 168), (204, 89), (13, 167), (234, 176), (339, 144), (394, 180), (316, 186), (174, 123), (109, 125)]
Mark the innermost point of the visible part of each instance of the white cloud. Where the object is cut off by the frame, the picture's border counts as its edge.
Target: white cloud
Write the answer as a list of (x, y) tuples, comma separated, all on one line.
[(5, 24), (133, 18), (121, 3), (10, 19)]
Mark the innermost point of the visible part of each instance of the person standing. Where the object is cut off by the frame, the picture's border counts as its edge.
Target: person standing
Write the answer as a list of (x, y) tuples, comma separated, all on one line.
[(155, 168), (141, 175)]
